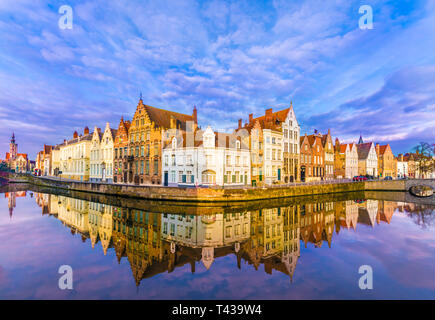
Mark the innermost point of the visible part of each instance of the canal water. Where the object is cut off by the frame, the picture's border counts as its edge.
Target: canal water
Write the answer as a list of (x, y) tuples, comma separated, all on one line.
[(309, 248)]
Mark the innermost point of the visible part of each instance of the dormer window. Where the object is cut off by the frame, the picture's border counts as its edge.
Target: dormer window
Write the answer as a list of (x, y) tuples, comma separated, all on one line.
[(174, 143)]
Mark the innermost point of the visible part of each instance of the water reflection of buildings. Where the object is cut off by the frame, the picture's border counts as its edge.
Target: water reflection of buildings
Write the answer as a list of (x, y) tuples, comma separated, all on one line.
[(12, 200), (156, 243)]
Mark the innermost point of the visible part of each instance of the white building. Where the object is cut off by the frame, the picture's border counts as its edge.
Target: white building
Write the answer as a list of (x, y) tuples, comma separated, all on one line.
[(402, 168), (291, 133), (207, 232), (101, 156), (206, 158), (367, 159), (345, 160)]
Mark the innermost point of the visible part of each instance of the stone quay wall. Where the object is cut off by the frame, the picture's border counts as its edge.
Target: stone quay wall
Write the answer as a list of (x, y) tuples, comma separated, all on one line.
[(216, 194)]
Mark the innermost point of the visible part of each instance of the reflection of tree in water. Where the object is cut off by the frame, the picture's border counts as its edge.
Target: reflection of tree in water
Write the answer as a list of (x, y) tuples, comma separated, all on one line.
[(422, 215)]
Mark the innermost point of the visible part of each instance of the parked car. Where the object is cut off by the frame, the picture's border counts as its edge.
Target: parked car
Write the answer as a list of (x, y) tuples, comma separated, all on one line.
[(388, 178), (359, 178)]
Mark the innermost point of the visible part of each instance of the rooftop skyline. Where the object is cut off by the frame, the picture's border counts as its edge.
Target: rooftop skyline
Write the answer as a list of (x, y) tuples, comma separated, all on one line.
[(229, 58)]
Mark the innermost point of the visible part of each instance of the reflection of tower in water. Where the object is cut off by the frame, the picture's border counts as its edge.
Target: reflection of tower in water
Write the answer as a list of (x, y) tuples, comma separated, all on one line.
[(12, 202)]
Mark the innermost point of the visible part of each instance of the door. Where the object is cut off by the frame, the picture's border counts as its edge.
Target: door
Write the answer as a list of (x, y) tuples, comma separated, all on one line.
[(279, 174), (165, 179)]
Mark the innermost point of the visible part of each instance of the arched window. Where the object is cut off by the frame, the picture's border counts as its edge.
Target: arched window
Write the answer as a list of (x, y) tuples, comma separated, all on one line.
[(209, 177), (174, 143), (237, 144)]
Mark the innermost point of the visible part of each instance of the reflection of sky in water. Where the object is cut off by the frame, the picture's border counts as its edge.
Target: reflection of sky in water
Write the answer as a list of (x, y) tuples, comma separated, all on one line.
[(32, 247)]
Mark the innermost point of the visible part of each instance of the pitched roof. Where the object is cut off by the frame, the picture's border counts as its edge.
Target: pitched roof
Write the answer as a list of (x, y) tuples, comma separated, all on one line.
[(363, 150), (313, 138), (225, 140), (162, 118), (271, 121), (81, 138), (383, 148), (344, 145)]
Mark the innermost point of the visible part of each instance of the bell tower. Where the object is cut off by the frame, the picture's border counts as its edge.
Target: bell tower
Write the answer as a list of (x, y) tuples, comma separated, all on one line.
[(13, 147)]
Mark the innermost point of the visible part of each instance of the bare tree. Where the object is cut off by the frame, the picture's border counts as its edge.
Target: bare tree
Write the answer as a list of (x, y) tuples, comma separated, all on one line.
[(425, 157)]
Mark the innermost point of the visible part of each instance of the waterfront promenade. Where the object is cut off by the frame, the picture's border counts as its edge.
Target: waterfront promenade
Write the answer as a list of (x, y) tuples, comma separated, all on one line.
[(224, 194)]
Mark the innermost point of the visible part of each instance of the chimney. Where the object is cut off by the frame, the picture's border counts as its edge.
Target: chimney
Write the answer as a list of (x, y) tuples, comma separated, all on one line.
[(240, 123), (75, 135), (251, 118), (86, 131), (195, 114), (268, 116)]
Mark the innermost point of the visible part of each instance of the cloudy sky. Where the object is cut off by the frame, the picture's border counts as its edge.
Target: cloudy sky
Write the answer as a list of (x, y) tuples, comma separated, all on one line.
[(229, 58)]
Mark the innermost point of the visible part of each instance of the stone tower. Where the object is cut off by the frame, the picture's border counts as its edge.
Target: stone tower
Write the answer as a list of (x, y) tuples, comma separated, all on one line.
[(13, 147)]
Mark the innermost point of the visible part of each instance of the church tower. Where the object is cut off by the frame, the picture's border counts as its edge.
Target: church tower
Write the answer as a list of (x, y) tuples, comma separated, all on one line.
[(13, 147)]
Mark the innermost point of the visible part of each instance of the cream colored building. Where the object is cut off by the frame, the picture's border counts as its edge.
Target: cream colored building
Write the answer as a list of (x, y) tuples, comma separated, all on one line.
[(101, 156), (100, 224), (74, 214), (273, 156), (55, 161), (75, 156)]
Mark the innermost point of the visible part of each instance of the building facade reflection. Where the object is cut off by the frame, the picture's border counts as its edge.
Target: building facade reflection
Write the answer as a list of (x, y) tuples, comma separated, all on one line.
[(155, 243)]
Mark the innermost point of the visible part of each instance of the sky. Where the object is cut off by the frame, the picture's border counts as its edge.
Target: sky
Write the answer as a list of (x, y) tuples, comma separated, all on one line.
[(228, 58)]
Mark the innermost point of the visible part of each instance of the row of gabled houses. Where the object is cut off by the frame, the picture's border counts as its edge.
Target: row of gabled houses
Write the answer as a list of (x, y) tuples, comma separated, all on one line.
[(167, 148)]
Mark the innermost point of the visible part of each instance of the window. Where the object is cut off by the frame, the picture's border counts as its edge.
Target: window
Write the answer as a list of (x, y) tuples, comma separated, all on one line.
[(156, 166), (208, 176), (238, 144), (173, 159), (147, 167)]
